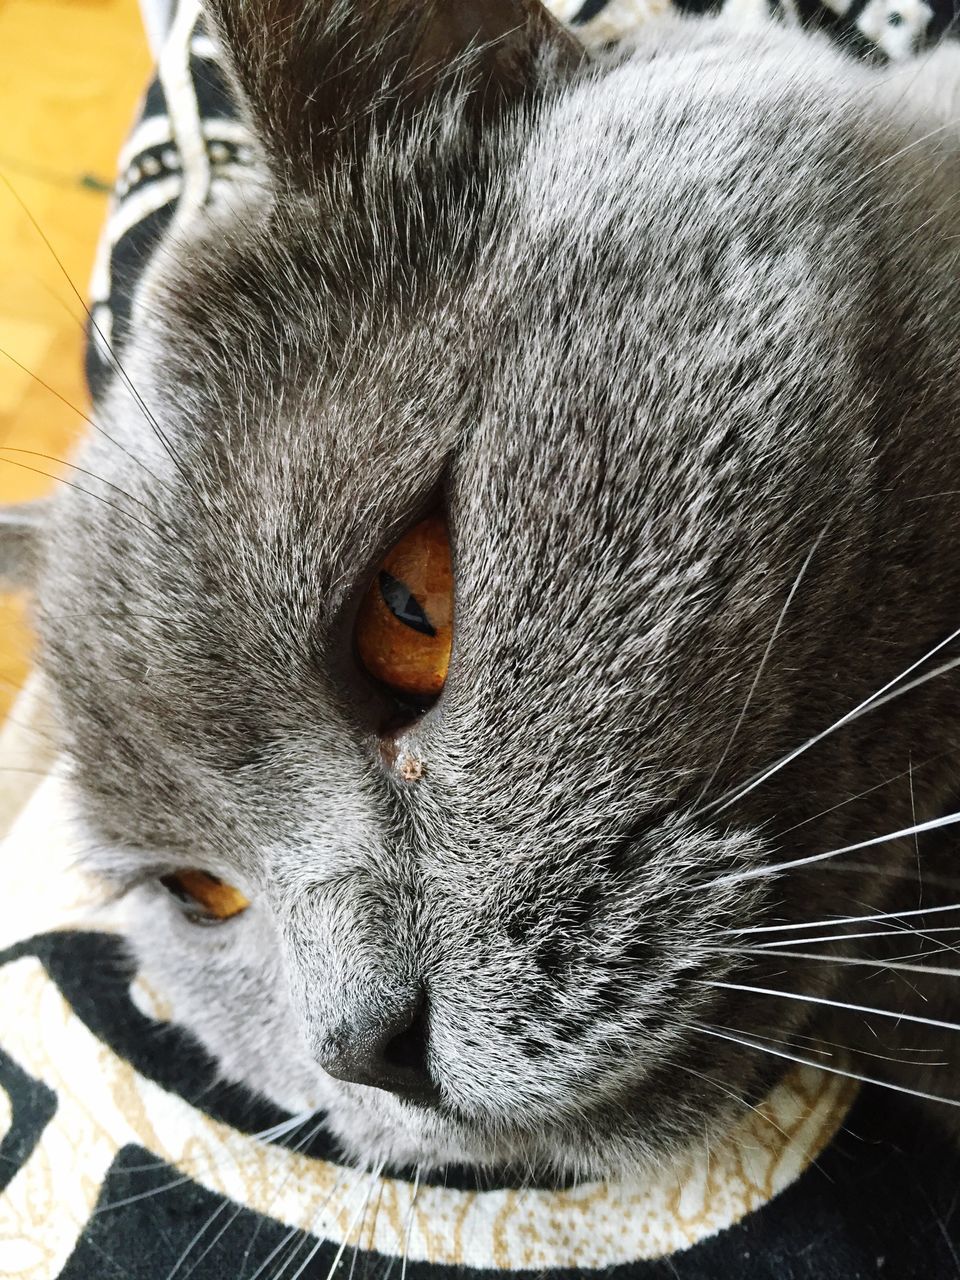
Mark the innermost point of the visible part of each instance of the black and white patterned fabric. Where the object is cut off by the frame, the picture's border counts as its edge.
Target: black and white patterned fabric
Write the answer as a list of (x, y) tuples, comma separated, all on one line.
[(879, 1201)]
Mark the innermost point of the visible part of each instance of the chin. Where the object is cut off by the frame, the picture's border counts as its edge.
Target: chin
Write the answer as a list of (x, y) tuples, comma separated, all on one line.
[(373, 1128)]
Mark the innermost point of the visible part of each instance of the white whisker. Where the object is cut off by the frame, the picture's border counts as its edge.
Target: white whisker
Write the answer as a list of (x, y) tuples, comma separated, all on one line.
[(834, 1004), (847, 937), (948, 127), (355, 1220), (763, 663), (893, 873), (915, 684), (277, 1249), (894, 966), (852, 799), (409, 1224), (372, 1233), (297, 1231), (732, 1093), (114, 362), (835, 920), (221, 1208), (753, 873), (304, 1142), (264, 1135), (867, 704), (748, 1043), (847, 1049)]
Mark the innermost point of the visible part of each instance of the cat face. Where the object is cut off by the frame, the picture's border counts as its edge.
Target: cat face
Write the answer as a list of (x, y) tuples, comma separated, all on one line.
[(661, 341)]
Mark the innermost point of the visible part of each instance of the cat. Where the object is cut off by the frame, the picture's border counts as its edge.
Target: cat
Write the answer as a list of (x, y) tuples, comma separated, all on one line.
[(666, 338)]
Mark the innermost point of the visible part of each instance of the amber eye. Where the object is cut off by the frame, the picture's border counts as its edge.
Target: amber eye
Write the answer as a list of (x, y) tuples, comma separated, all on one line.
[(405, 624), (208, 898)]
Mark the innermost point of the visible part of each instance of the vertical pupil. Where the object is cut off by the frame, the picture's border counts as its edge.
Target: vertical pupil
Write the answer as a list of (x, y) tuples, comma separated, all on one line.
[(402, 603)]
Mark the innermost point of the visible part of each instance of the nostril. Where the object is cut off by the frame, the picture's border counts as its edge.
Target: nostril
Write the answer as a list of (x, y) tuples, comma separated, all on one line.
[(408, 1049), (390, 1055)]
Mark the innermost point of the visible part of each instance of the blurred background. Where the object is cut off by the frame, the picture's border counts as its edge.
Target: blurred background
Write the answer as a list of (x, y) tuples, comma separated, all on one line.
[(71, 74)]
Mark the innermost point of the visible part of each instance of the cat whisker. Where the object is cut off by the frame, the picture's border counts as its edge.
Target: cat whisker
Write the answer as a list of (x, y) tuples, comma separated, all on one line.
[(893, 966), (731, 1093), (375, 1181), (923, 953), (763, 663), (148, 416), (233, 1217), (915, 684), (264, 1135), (221, 1208), (142, 1195), (275, 1252), (372, 1234), (408, 1226), (746, 1042), (298, 1231), (836, 920), (7, 355), (85, 417), (898, 1059), (355, 1221), (804, 998), (849, 937), (753, 873), (877, 786), (62, 462), (927, 935), (477, 1172), (44, 735), (275, 1131), (868, 704), (915, 230), (151, 529), (916, 838), (894, 873), (947, 127)]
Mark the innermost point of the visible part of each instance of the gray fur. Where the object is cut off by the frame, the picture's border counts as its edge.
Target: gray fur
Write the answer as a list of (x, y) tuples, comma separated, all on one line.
[(649, 329), (21, 531)]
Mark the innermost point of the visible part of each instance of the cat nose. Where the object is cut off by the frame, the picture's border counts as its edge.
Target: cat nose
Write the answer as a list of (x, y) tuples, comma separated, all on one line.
[(387, 1053)]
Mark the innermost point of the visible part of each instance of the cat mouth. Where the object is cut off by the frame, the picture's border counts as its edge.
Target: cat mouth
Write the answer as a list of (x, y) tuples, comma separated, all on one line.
[(420, 1096)]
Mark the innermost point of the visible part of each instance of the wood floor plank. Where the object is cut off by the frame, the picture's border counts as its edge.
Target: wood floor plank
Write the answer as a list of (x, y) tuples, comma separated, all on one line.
[(71, 73)]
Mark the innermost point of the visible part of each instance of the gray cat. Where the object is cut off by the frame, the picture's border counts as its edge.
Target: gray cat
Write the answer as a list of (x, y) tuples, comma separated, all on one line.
[(669, 338)]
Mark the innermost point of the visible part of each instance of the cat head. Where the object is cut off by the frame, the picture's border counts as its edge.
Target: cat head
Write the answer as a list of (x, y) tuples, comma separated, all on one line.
[(657, 342)]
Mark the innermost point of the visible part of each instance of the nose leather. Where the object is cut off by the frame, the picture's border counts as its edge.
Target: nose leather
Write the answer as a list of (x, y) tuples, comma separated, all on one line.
[(388, 1052)]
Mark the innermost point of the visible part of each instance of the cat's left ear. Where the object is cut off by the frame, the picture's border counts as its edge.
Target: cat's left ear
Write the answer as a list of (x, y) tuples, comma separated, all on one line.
[(319, 76), (21, 526)]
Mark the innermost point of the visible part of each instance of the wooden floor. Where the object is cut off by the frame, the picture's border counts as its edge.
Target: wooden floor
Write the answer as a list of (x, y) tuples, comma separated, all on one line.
[(71, 72)]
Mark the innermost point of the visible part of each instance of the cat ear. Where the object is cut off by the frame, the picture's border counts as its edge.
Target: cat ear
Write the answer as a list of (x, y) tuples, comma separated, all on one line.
[(20, 529), (319, 75)]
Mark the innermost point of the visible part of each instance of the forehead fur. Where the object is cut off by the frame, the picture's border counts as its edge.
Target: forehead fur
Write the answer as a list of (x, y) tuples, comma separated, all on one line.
[(611, 352)]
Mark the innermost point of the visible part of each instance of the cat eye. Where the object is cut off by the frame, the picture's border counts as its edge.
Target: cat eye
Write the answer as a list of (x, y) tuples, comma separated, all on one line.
[(404, 628), (208, 899)]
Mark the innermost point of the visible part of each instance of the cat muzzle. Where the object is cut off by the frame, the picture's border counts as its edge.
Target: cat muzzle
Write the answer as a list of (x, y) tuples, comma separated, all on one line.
[(387, 1052)]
